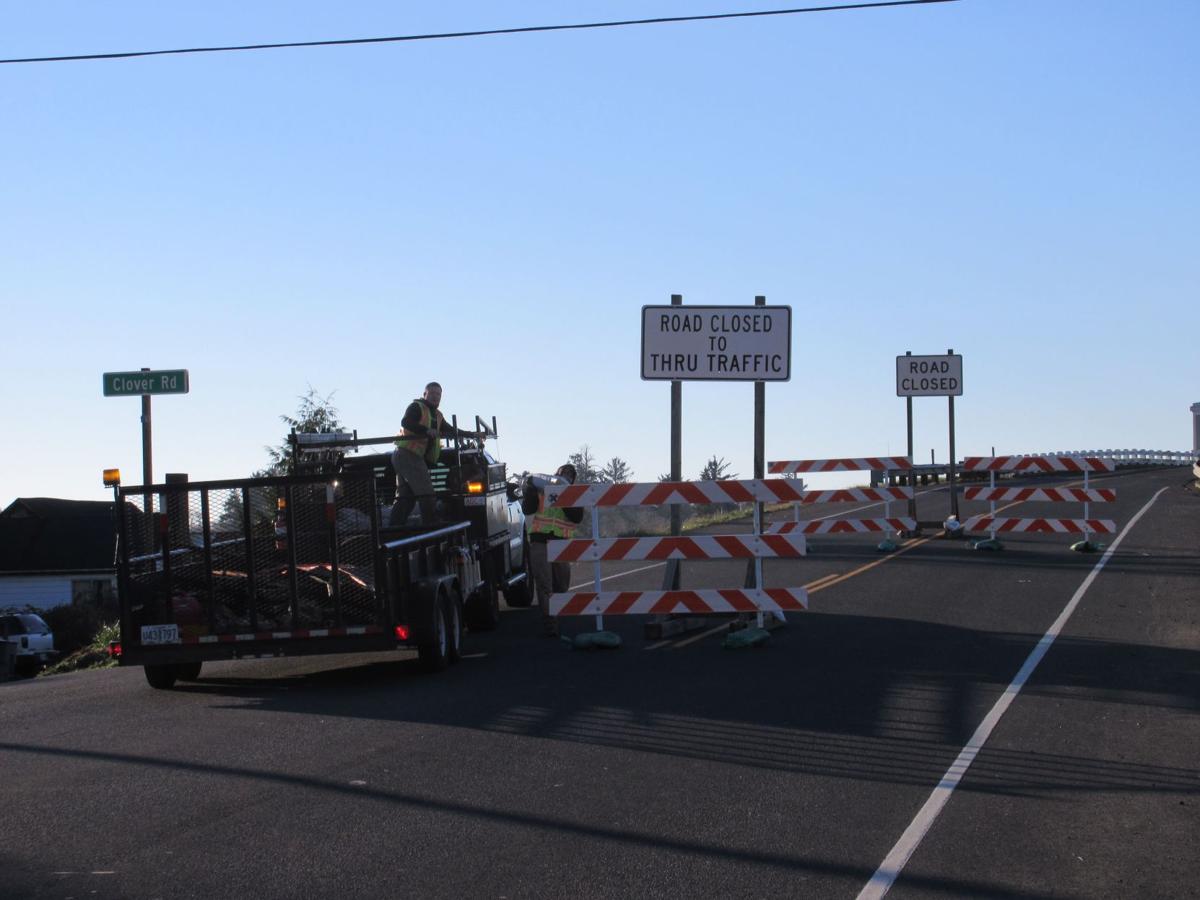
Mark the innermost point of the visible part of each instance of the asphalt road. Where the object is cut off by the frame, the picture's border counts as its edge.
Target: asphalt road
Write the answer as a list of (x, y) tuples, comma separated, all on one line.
[(676, 768)]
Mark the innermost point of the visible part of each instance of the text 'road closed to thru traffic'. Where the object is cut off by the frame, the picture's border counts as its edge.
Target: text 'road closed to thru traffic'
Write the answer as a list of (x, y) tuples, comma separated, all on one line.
[(929, 376), (717, 343)]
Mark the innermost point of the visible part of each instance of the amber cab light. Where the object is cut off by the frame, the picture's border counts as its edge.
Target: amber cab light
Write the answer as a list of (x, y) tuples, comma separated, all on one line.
[(474, 487), (112, 477)]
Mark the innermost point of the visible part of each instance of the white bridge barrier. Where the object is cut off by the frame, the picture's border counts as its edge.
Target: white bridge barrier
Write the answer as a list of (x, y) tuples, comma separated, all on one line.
[(1039, 464), (849, 495), (756, 546)]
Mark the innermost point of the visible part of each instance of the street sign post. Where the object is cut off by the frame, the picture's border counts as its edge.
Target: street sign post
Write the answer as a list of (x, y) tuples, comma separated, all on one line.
[(931, 376), (717, 343), (145, 381)]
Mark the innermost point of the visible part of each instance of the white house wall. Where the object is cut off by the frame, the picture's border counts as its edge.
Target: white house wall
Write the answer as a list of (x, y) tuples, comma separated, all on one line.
[(39, 591)]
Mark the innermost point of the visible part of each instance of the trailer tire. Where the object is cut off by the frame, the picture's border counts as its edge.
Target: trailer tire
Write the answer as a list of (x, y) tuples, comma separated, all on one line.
[(520, 595), (161, 677), (434, 655), (188, 671), (454, 626)]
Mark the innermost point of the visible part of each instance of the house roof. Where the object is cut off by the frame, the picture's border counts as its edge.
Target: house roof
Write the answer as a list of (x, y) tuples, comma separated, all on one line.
[(49, 534)]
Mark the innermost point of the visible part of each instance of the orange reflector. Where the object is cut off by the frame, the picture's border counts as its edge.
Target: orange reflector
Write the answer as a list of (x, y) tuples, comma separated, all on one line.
[(401, 633), (474, 487), (112, 477), (281, 503)]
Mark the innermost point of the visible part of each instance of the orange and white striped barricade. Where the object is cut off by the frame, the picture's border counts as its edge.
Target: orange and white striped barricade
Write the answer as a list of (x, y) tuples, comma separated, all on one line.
[(886, 495), (756, 546), (1051, 464)]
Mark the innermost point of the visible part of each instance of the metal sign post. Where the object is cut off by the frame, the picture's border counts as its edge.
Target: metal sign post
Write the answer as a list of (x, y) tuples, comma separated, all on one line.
[(912, 479), (754, 566), (671, 576), (931, 376)]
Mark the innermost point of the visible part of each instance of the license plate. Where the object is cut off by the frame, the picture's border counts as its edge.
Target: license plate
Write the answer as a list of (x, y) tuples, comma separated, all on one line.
[(160, 634)]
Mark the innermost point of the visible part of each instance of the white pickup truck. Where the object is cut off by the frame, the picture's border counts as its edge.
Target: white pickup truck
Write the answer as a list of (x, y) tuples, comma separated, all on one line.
[(32, 638)]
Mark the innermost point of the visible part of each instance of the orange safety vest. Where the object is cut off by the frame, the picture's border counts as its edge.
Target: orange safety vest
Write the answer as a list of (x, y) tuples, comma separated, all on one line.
[(551, 521), (422, 444)]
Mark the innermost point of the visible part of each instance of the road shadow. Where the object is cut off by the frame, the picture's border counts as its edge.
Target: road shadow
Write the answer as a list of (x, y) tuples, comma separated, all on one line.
[(853, 697)]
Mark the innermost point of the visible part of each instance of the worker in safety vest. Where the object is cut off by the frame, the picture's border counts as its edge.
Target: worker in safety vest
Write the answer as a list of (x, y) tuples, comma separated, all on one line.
[(418, 448), (547, 525)]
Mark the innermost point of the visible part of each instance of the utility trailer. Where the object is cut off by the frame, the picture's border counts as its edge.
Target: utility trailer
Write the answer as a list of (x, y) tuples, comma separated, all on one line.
[(307, 564)]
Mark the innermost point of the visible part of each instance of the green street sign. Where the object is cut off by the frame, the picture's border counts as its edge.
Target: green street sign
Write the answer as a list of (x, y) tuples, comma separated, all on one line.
[(134, 384)]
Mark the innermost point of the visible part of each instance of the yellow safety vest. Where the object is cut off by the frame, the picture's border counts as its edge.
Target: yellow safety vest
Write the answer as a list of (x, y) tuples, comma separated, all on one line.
[(422, 444), (551, 521)]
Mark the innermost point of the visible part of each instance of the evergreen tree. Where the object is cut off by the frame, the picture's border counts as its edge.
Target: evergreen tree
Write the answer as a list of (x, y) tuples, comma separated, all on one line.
[(616, 471), (717, 469)]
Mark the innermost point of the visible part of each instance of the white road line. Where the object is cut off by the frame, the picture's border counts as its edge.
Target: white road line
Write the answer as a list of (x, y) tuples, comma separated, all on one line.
[(889, 870)]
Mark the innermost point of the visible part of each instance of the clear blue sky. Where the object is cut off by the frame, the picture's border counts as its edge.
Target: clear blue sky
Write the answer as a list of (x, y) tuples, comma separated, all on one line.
[(1015, 179)]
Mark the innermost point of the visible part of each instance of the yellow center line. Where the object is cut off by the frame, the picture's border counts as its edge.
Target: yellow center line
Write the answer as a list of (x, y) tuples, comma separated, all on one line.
[(821, 585), (813, 584), (724, 626)]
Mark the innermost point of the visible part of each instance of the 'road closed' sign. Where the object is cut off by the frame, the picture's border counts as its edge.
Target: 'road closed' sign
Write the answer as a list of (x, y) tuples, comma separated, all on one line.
[(929, 376), (717, 343)]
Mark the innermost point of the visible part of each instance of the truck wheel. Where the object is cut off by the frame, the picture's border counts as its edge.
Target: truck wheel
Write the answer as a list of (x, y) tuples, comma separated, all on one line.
[(483, 608), (188, 671), (162, 677), (520, 595), (454, 627), (435, 655)]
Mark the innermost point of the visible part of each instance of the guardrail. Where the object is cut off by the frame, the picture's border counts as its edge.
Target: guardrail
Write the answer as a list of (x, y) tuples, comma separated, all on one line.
[(1134, 457), (933, 472)]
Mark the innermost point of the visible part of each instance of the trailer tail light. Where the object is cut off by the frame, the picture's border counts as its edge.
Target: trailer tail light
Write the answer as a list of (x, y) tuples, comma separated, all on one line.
[(401, 633), (114, 649), (474, 487)]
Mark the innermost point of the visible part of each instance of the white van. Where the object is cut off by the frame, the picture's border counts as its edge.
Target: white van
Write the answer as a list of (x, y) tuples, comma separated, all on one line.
[(31, 636)]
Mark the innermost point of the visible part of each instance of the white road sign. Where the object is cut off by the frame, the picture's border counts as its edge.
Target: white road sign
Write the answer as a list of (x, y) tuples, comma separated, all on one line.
[(717, 343), (929, 376)]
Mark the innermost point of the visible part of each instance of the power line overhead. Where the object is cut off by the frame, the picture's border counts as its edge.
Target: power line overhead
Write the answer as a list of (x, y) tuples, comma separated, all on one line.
[(528, 29)]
